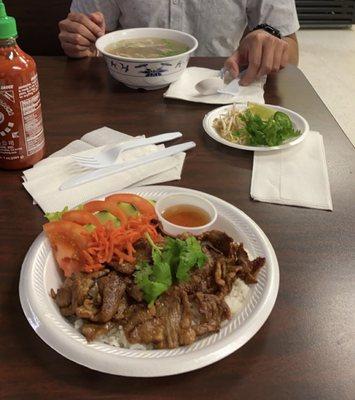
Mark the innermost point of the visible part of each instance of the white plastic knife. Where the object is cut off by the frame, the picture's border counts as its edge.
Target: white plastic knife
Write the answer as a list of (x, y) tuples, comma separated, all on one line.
[(103, 172)]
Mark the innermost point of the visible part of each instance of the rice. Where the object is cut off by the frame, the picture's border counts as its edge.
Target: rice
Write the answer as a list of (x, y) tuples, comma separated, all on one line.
[(116, 337), (237, 296)]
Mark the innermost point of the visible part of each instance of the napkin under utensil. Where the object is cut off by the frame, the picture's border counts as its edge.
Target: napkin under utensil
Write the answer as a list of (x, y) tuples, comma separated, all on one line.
[(184, 89), (297, 176), (44, 179)]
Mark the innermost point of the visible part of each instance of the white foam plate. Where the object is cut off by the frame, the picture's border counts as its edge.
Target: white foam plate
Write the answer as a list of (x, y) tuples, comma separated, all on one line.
[(39, 274), (298, 122)]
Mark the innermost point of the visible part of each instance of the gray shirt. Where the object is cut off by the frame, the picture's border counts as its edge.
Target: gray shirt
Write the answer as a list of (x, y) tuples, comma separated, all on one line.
[(218, 25)]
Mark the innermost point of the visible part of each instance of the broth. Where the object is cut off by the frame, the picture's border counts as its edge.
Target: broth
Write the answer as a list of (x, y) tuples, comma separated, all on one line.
[(186, 215), (146, 48)]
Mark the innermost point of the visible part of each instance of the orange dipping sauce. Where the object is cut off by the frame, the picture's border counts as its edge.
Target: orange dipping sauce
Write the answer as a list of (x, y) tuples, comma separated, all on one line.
[(186, 215)]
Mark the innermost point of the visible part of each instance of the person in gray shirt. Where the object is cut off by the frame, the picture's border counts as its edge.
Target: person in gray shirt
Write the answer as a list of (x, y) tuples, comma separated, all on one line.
[(258, 36)]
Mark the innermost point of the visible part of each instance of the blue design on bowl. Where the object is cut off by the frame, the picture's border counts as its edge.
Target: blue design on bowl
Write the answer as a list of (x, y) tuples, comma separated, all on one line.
[(153, 72), (119, 66), (140, 65)]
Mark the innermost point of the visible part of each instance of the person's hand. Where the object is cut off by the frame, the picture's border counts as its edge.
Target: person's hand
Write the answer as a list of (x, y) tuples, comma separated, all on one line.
[(78, 33), (261, 53)]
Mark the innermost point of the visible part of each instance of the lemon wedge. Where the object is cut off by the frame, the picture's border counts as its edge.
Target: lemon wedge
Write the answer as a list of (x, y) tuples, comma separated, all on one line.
[(263, 112)]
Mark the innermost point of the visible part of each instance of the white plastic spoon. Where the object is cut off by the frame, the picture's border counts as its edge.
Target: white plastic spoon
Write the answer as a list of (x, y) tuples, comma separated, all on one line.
[(209, 86), (214, 85)]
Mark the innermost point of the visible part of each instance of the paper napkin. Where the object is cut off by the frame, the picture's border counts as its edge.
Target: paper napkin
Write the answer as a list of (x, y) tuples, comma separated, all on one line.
[(44, 179), (184, 89), (297, 176)]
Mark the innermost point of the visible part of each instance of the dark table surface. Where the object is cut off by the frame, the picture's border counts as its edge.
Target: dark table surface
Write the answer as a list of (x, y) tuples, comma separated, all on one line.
[(305, 350)]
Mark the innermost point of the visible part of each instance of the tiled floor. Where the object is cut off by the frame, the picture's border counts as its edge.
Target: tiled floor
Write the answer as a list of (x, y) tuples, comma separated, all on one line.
[(327, 58)]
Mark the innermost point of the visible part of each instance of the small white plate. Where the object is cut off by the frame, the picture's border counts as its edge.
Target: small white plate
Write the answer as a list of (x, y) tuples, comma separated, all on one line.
[(40, 273), (298, 121)]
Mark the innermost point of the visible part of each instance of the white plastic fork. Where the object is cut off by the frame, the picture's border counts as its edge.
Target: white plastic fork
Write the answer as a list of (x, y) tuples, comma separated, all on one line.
[(108, 157), (113, 169)]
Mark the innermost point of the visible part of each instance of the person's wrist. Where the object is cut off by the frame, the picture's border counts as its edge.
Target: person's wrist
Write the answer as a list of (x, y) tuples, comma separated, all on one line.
[(269, 29)]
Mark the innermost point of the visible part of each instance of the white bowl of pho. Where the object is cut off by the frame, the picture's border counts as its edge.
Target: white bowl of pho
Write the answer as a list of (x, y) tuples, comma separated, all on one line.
[(147, 58)]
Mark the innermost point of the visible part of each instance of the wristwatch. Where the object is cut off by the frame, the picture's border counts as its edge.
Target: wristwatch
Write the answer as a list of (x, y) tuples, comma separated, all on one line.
[(269, 29)]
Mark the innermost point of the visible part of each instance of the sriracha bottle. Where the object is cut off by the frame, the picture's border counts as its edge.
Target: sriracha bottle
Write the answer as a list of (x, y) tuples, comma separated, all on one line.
[(21, 126)]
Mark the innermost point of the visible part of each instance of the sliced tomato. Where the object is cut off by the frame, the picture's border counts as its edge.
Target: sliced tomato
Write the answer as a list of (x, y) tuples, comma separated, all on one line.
[(67, 240), (67, 256), (71, 230), (101, 205), (140, 203), (81, 217)]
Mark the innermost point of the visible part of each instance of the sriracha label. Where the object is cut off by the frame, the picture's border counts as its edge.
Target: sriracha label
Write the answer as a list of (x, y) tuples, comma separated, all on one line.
[(21, 125), (31, 116), (20, 114)]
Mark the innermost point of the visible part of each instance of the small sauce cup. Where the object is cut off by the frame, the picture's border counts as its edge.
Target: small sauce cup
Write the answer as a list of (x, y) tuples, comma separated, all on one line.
[(177, 199)]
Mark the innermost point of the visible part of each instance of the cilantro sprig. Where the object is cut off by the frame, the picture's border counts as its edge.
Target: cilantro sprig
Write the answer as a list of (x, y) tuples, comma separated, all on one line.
[(270, 132), (171, 263)]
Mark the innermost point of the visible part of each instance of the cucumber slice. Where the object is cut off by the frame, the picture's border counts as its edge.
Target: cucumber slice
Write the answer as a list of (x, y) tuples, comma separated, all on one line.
[(90, 227), (105, 216), (128, 209)]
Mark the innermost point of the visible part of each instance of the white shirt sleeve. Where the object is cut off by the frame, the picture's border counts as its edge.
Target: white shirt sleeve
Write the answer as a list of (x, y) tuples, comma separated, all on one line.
[(280, 14), (109, 9)]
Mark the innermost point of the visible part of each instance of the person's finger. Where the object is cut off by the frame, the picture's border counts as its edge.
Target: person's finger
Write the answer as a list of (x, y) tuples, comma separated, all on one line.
[(87, 23), (75, 51), (77, 28), (254, 61), (267, 58), (74, 38), (99, 19), (277, 57), (232, 65), (285, 55), (76, 47)]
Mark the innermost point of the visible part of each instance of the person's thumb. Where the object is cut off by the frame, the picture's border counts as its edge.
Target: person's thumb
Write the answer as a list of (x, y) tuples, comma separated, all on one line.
[(232, 64), (99, 20)]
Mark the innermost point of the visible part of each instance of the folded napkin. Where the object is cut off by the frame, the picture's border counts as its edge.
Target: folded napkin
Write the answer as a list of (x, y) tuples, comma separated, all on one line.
[(297, 176), (44, 179), (184, 89)]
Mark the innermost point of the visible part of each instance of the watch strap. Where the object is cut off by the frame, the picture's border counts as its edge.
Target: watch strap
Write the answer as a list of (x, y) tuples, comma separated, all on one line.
[(269, 29)]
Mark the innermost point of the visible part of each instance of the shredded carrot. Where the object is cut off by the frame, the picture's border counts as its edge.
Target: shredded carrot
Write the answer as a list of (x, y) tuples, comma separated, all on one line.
[(109, 243)]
